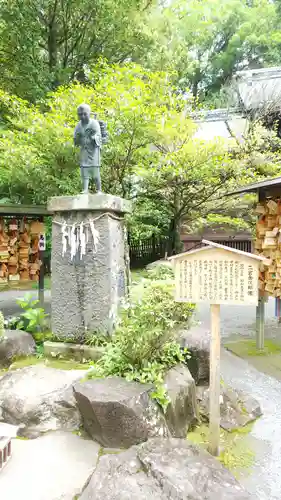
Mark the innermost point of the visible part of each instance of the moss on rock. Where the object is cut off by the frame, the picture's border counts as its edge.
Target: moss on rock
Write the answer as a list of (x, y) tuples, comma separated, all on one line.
[(236, 452), (52, 363)]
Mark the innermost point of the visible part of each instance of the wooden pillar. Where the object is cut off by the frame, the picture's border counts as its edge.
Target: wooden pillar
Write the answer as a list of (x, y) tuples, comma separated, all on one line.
[(41, 286), (260, 323), (261, 304), (215, 381), (278, 309)]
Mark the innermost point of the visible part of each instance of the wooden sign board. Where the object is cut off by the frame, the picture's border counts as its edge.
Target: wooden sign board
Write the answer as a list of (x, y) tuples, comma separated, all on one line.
[(218, 275)]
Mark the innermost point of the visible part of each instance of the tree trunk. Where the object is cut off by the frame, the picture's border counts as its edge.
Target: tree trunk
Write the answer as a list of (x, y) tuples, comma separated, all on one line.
[(174, 241), (195, 87), (52, 47)]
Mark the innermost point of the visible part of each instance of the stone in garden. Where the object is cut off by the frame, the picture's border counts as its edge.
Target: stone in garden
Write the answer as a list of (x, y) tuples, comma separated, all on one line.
[(90, 271), (39, 399), (183, 411), (162, 469), (117, 413), (197, 341), (15, 344), (77, 352), (53, 467), (237, 408), (121, 477)]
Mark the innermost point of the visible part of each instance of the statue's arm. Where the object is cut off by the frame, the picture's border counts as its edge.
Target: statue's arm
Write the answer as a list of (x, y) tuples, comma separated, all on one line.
[(96, 132), (76, 137)]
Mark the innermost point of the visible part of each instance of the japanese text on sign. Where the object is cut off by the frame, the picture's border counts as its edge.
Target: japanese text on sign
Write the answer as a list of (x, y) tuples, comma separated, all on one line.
[(217, 277)]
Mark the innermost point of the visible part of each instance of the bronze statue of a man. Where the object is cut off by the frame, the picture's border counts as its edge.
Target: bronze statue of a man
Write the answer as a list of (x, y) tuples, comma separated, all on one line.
[(88, 136)]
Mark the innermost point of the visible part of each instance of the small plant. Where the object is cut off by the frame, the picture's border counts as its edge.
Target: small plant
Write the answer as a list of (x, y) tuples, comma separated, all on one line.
[(33, 319), (143, 347), (2, 323), (12, 323), (96, 339), (27, 302)]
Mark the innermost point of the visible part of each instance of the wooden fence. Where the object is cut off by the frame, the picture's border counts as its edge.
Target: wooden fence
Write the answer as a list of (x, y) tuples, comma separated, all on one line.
[(143, 252)]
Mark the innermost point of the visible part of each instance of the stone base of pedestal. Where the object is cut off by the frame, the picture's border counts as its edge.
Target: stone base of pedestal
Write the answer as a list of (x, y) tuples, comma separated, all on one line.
[(89, 263), (76, 352)]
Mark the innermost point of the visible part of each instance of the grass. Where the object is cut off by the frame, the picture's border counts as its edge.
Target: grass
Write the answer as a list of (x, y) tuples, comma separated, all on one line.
[(59, 364), (52, 363), (47, 284), (236, 453), (267, 360), (109, 451), (137, 275), (244, 348)]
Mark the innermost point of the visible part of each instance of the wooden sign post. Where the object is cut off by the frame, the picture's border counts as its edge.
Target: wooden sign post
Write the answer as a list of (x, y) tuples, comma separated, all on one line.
[(219, 275), (215, 382)]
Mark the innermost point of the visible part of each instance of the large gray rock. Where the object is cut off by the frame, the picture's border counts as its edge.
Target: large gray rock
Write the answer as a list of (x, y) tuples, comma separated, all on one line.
[(53, 467), (15, 344), (197, 341), (183, 411), (237, 408), (121, 477), (117, 413), (166, 469), (39, 399)]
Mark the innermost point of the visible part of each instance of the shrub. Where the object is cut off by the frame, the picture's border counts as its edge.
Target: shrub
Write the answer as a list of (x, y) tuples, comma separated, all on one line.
[(143, 347), (160, 272), (33, 319), (148, 323)]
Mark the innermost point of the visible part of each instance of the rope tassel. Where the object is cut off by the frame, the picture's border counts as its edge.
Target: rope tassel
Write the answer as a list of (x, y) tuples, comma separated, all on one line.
[(76, 236), (96, 236), (73, 242), (83, 240), (64, 235)]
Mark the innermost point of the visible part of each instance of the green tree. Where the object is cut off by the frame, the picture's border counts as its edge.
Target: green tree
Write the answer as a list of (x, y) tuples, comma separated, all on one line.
[(206, 42), (37, 156), (190, 179), (152, 157), (44, 43)]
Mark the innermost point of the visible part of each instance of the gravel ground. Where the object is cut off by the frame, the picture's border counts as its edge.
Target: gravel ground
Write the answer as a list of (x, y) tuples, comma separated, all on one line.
[(239, 321), (265, 477)]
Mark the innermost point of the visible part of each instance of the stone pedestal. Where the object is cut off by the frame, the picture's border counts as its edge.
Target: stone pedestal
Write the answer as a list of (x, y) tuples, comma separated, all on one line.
[(86, 289)]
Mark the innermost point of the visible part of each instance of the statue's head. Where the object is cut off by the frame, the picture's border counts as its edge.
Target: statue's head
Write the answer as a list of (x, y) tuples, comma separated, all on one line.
[(84, 112)]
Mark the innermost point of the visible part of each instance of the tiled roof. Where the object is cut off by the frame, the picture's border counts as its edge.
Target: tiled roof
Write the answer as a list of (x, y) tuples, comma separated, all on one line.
[(258, 88)]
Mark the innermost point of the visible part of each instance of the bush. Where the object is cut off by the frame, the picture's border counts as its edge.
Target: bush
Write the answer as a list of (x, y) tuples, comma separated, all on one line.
[(160, 272), (143, 347), (33, 319)]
